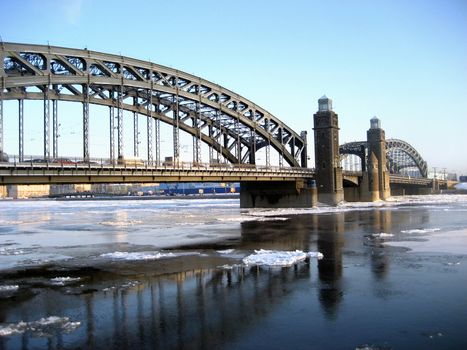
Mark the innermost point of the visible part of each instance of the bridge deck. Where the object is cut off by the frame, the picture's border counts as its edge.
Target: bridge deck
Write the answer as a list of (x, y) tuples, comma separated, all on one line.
[(59, 173), (56, 173)]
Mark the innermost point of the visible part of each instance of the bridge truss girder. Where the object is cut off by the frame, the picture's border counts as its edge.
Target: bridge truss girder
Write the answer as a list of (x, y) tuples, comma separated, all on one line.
[(230, 124)]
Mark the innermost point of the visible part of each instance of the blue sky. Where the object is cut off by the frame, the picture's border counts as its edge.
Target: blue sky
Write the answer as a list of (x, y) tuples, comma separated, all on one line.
[(403, 61)]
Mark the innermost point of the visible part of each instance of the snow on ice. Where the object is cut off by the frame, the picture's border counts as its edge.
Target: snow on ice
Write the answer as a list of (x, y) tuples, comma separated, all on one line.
[(44, 327), (279, 258)]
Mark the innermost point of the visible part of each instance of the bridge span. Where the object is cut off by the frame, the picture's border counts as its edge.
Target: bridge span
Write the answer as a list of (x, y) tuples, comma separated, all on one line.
[(238, 140)]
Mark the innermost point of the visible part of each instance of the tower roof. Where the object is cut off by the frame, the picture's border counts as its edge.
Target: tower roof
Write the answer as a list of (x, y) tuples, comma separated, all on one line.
[(325, 104), (375, 123)]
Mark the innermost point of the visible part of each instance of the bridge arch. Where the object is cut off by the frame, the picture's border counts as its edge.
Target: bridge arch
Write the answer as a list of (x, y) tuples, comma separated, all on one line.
[(222, 119), (402, 158)]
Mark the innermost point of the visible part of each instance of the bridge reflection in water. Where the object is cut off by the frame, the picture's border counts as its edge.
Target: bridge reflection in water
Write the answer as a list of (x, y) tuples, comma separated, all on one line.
[(213, 307)]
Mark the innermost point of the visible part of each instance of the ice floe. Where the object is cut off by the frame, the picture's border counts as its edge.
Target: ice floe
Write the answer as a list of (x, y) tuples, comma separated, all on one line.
[(11, 251), (44, 327), (382, 235), (418, 230), (10, 288), (390, 203), (278, 258), (121, 223), (226, 251), (137, 255), (252, 218), (61, 281), (154, 255)]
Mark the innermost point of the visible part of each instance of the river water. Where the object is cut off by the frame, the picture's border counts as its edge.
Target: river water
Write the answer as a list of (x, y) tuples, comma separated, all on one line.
[(205, 274)]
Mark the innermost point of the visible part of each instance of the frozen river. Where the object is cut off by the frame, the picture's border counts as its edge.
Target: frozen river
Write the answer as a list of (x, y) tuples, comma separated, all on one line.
[(204, 274)]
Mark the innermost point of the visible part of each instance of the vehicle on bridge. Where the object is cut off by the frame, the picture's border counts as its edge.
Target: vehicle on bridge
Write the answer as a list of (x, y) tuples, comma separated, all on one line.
[(133, 161), (4, 158)]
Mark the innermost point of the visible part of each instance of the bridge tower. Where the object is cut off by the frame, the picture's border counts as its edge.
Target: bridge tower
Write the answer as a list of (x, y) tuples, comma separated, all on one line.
[(327, 159), (378, 180)]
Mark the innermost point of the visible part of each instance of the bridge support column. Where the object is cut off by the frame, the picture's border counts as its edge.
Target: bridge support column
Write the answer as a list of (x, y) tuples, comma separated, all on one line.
[(278, 194), (378, 173), (327, 159)]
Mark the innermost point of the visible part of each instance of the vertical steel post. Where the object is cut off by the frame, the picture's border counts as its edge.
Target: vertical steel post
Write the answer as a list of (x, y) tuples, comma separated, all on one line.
[(111, 133), (55, 128), (135, 129), (219, 133), (86, 122), (21, 129), (252, 148), (46, 123), (268, 147), (176, 130), (281, 154), (304, 153), (158, 137), (196, 125), (1, 118), (150, 129), (120, 121), (239, 144), (211, 136)]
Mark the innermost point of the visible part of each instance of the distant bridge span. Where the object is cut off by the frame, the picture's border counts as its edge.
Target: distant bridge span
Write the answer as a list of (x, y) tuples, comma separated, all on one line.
[(400, 156)]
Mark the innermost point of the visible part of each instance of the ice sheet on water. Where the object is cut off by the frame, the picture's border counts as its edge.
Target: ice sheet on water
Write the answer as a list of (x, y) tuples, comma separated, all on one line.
[(278, 258), (44, 327), (9, 288), (11, 251), (382, 235), (252, 218), (137, 255), (389, 203), (154, 255), (419, 230), (61, 281), (226, 251), (121, 223)]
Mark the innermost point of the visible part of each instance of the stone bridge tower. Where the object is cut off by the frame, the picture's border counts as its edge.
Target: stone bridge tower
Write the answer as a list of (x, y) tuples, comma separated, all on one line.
[(378, 174), (327, 160)]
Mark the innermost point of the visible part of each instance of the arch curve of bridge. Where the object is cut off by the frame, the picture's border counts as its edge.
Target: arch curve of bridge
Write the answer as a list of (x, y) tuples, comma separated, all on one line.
[(400, 154), (219, 117)]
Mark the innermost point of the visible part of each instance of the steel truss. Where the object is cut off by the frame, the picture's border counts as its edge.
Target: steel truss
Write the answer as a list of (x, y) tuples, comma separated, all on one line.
[(233, 127), (402, 158)]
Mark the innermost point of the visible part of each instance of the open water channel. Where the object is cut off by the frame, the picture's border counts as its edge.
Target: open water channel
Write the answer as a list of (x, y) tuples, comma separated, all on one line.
[(204, 274)]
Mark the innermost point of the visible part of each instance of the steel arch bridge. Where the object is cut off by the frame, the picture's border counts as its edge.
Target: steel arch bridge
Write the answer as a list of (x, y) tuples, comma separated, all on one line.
[(402, 158), (231, 125)]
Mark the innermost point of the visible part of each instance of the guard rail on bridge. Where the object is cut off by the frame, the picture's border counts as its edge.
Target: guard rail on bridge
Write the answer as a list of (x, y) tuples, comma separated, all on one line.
[(46, 172)]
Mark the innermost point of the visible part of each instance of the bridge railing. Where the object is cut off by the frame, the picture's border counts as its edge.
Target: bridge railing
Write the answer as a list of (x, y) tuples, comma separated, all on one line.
[(35, 162)]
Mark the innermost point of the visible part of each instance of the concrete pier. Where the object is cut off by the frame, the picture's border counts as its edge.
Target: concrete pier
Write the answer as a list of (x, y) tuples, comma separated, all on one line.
[(278, 194)]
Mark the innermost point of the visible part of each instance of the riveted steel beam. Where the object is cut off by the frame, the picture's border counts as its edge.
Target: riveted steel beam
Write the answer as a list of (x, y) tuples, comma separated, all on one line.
[(34, 65)]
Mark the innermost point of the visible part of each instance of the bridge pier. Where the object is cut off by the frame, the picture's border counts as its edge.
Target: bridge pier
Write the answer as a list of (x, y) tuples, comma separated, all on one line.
[(327, 160), (278, 194)]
